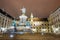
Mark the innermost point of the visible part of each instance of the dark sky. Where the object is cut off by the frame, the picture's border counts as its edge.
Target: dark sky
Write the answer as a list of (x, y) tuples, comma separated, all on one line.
[(40, 8)]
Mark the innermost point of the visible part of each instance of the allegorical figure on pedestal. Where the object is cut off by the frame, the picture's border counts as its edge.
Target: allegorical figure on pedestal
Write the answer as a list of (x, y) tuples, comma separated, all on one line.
[(23, 17)]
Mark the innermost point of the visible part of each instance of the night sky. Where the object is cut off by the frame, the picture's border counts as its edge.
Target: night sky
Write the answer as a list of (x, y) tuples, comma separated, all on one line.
[(39, 8)]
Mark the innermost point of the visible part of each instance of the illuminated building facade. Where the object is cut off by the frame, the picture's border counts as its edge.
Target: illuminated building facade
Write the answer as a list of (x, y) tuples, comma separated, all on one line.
[(5, 19), (54, 21)]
